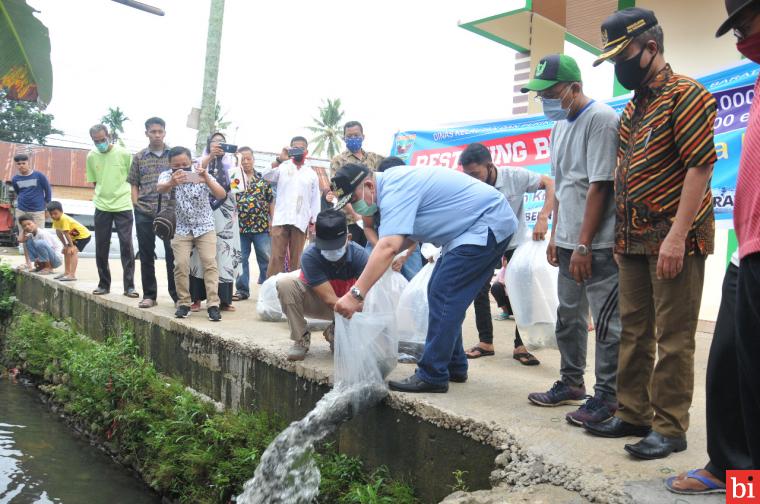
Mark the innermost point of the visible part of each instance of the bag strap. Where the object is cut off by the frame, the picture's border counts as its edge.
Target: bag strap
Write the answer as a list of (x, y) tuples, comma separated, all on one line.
[(160, 197)]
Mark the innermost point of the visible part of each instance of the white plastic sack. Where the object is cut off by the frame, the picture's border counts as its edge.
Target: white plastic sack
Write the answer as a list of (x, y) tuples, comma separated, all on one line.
[(532, 286), (268, 305), (366, 346), (430, 251), (412, 316)]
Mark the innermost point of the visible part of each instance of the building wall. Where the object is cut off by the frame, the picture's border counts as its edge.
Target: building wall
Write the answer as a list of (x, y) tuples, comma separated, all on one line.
[(689, 27), (75, 193)]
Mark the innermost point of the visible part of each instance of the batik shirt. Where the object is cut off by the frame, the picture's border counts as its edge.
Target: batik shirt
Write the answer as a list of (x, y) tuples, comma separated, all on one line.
[(665, 130), (253, 205), (194, 214)]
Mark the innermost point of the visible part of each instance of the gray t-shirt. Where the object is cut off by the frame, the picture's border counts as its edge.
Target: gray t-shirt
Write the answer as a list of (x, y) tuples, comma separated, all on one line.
[(514, 182), (584, 151)]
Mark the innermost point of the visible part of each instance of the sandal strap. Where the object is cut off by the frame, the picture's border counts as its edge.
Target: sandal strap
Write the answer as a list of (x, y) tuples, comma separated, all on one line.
[(702, 479)]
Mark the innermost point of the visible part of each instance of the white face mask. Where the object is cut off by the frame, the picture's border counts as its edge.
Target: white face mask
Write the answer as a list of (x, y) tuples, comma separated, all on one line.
[(334, 255)]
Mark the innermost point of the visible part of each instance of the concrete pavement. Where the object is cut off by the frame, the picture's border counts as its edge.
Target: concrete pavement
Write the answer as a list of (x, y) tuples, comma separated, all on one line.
[(539, 446)]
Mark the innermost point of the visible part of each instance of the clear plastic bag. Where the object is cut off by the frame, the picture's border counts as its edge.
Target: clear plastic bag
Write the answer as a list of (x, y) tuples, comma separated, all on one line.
[(412, 316), (366, 346), (268, 305), (532, 288)]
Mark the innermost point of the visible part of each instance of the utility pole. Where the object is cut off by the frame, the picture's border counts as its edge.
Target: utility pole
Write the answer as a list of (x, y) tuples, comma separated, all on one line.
[(210, 73)]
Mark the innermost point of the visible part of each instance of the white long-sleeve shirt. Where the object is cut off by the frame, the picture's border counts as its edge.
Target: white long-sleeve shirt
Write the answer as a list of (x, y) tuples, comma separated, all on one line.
[(297, 198)]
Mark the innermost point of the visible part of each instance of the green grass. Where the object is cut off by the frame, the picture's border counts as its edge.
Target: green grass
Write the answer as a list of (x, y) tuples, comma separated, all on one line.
[(182, 446)]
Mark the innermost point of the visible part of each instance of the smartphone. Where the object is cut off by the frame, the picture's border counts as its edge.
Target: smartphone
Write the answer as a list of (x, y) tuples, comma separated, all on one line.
[(193, 177), (295, 151), (229, 148)]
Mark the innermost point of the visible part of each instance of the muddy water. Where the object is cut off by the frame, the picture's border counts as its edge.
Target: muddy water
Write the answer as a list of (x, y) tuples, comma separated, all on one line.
[(42, 461)]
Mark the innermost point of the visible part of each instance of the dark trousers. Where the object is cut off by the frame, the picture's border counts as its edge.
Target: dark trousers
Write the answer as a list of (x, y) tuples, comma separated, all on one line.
[(726, 434), (482, 305), (357, 234), (104, 222), (146, 244), (456, 279), (748, 350)]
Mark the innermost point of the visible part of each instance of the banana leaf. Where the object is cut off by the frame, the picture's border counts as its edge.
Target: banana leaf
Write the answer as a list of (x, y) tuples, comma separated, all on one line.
[(25, 67)]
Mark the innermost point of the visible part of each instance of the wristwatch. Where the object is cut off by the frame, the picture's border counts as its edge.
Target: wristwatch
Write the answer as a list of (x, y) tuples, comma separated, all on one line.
[(277, 160), (582, 249), (356, 293)]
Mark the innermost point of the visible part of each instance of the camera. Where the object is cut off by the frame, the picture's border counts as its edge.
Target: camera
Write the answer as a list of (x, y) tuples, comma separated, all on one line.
[(228, 148)]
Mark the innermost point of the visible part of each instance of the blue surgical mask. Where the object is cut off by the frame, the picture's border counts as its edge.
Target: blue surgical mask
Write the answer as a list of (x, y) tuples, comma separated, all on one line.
[(102, 147), (553, 107), (363, 208), (334, 255), (354, 144)]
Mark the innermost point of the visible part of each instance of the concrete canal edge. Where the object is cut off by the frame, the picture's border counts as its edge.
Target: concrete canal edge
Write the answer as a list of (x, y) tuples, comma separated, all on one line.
[(415, 441)]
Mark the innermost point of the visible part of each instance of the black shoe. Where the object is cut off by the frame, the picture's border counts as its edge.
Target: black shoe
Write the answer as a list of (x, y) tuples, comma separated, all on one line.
[(214, 315), (100, 291), (656, 446), (458, 378), (415, 385), (614, 427), (182, 312)]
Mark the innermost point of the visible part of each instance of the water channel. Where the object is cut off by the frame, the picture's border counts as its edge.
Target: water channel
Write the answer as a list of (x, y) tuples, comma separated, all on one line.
[(42, 461)]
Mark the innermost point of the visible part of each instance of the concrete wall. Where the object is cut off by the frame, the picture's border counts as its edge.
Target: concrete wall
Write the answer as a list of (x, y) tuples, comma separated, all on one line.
[(249, 377)]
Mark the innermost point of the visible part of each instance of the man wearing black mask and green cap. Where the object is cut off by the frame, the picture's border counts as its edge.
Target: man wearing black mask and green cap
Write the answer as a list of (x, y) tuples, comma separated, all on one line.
[(664, 231)]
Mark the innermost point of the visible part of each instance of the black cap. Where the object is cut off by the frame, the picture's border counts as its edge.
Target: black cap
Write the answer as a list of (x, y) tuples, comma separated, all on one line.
[(621, 27), (346, 180), (733, 8), (331, 229)]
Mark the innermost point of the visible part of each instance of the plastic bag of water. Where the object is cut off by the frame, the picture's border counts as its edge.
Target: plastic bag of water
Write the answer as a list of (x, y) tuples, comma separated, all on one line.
[(366, 346), (412, 316), (532, 288)]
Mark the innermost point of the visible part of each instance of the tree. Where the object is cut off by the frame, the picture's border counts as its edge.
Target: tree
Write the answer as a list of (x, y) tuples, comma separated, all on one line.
[(115, 120), (220, 125), (210, 73), (328, 129), (24, 121)]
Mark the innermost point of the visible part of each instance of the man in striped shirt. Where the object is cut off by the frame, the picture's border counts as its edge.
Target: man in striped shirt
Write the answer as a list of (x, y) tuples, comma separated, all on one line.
[(664, 232)]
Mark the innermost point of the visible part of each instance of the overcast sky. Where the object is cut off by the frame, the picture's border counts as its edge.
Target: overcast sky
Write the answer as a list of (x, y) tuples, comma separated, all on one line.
[(394, 64)]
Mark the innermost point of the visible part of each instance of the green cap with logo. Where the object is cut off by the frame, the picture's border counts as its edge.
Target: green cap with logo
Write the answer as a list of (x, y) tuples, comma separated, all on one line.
[(551, 70)]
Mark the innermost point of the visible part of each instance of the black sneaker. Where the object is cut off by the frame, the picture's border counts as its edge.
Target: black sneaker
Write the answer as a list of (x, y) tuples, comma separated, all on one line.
[(182, 312), (214, 315)]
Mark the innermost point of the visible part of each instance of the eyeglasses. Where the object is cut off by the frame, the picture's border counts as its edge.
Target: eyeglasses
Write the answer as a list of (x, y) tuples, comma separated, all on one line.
[(540, 99), (741, 31)]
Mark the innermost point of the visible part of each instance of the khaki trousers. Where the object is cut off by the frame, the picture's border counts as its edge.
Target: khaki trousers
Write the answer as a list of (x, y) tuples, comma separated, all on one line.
[(205, 246), (656, 365), (285, 238), (299, 301)]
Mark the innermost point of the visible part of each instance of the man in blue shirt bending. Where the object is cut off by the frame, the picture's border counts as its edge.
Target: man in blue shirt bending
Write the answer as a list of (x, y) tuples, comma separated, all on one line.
[(470, 220), (33, 194)]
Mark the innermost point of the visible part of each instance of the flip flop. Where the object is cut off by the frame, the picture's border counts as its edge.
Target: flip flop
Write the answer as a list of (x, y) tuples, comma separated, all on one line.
[(58, 277), (526, 359), (712, 487), (68, 279), (481, 352)]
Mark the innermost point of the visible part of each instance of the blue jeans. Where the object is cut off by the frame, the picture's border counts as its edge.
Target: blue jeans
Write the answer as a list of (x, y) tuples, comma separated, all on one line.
[(457, 277), (262, 246), (39, 250), (411, 267)]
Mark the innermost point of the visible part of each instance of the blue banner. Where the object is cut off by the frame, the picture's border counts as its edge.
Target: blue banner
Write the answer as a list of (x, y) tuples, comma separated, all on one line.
[(524, 141)]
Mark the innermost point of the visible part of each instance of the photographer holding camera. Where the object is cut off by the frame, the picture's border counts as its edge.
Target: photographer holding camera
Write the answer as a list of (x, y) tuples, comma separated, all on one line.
[(296, 204)]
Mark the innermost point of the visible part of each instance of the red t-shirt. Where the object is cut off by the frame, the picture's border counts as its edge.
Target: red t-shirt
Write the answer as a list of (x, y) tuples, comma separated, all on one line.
[(747, 206)]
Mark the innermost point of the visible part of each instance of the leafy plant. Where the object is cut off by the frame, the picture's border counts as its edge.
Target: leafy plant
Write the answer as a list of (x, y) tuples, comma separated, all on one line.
[(181, 445), (24, 121), (115, 119), (220, 122), (328, 129), (459, 483), (25, 68)]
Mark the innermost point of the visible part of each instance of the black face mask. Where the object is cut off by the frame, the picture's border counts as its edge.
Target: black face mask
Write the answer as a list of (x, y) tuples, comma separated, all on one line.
[(298, 159), (629, 72)]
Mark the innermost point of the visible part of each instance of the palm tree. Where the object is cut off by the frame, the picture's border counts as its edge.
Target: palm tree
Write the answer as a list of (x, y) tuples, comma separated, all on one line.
[(115, 120), (220, 125), (328, 129)]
